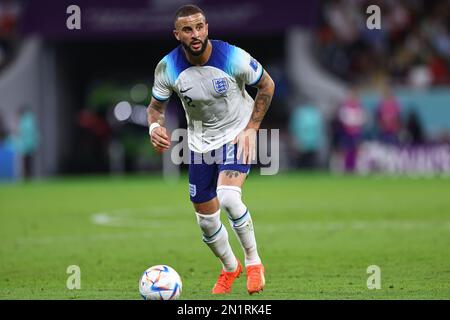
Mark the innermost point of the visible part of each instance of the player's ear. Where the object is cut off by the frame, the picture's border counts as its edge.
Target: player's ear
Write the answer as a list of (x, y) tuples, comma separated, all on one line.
[(176, 35)]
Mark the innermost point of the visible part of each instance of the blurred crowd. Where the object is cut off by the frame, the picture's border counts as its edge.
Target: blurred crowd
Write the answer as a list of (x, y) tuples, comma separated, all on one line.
[(352, 124), (411, 48), (19, 142), (389, 124), (9, 17)]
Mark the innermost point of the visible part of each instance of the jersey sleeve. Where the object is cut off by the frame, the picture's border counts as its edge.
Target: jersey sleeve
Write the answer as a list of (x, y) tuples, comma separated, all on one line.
[(246, 67), (162, 89)]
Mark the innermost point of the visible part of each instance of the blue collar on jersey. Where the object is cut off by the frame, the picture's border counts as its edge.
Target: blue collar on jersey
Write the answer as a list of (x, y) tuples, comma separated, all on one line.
[(220, 56)]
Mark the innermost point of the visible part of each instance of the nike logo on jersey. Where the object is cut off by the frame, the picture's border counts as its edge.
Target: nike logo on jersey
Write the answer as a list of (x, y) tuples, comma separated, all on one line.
[(183, 91)]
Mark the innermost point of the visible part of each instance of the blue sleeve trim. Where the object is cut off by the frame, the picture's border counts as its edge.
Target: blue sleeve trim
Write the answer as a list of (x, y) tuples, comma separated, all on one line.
[(259, 78), (159, 98)]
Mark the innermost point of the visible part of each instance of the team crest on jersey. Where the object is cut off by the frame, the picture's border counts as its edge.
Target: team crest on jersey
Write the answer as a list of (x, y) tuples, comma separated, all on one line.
[(220, 85)]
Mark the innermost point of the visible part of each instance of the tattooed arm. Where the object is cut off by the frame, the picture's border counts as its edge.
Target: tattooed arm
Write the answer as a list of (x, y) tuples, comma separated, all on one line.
[(158, 136), (266, 88), (246, 140)]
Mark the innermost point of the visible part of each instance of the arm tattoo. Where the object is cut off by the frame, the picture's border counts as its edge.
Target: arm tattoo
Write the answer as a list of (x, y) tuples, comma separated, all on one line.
[(263, 99), (155, 112), (262, 103), (232, 173)]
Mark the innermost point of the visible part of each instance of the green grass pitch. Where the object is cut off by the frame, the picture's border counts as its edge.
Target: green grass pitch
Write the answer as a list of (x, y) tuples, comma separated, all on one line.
[(316, 234)]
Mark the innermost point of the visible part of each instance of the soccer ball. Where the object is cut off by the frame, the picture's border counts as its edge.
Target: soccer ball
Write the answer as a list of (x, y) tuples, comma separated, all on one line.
[(160, 282)]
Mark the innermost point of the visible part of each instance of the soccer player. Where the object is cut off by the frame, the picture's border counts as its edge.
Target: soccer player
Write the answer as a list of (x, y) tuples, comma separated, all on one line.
[(209, 77)]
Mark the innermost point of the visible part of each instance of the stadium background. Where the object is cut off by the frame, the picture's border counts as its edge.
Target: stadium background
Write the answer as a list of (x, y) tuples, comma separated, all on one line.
[(364, 120)]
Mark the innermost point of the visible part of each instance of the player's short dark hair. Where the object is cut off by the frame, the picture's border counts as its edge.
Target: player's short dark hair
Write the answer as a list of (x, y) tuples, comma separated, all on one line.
[(188, 10)]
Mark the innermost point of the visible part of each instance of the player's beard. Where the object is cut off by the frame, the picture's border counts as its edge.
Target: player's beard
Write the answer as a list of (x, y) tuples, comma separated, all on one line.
[(199, 52)]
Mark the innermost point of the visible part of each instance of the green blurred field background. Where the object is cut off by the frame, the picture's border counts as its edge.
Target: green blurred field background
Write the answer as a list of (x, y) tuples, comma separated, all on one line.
[(317, 234)]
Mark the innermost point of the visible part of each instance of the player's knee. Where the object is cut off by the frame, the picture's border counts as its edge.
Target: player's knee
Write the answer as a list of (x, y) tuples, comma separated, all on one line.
[(230, 200), (210, 225)]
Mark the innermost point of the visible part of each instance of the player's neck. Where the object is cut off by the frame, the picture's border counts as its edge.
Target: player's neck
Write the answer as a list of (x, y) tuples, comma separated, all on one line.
[(201, 59)]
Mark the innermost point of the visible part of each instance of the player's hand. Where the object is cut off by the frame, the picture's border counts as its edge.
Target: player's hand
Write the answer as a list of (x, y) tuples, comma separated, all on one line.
[(246, 142), (160, 139)]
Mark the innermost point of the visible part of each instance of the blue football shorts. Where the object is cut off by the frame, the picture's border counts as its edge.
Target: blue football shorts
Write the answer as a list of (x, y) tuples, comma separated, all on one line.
[(204, 169)]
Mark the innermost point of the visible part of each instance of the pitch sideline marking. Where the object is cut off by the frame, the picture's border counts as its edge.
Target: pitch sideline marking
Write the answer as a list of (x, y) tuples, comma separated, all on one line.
[(124, 218)]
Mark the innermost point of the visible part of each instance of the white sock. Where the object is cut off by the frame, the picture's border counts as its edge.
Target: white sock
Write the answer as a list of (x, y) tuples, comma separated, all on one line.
[(240, 220), (246, 236), (215, 235)]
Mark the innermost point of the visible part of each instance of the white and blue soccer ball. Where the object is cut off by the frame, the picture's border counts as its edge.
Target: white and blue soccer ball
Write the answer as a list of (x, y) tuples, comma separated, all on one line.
[(160, 282)]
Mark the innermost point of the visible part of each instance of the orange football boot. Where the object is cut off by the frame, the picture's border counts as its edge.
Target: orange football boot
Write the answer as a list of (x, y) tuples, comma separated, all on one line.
[(226, 279), (255, 278)]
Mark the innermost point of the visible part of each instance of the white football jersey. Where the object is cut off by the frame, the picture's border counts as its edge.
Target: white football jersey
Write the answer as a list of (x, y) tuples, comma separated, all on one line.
[(213, 95)]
